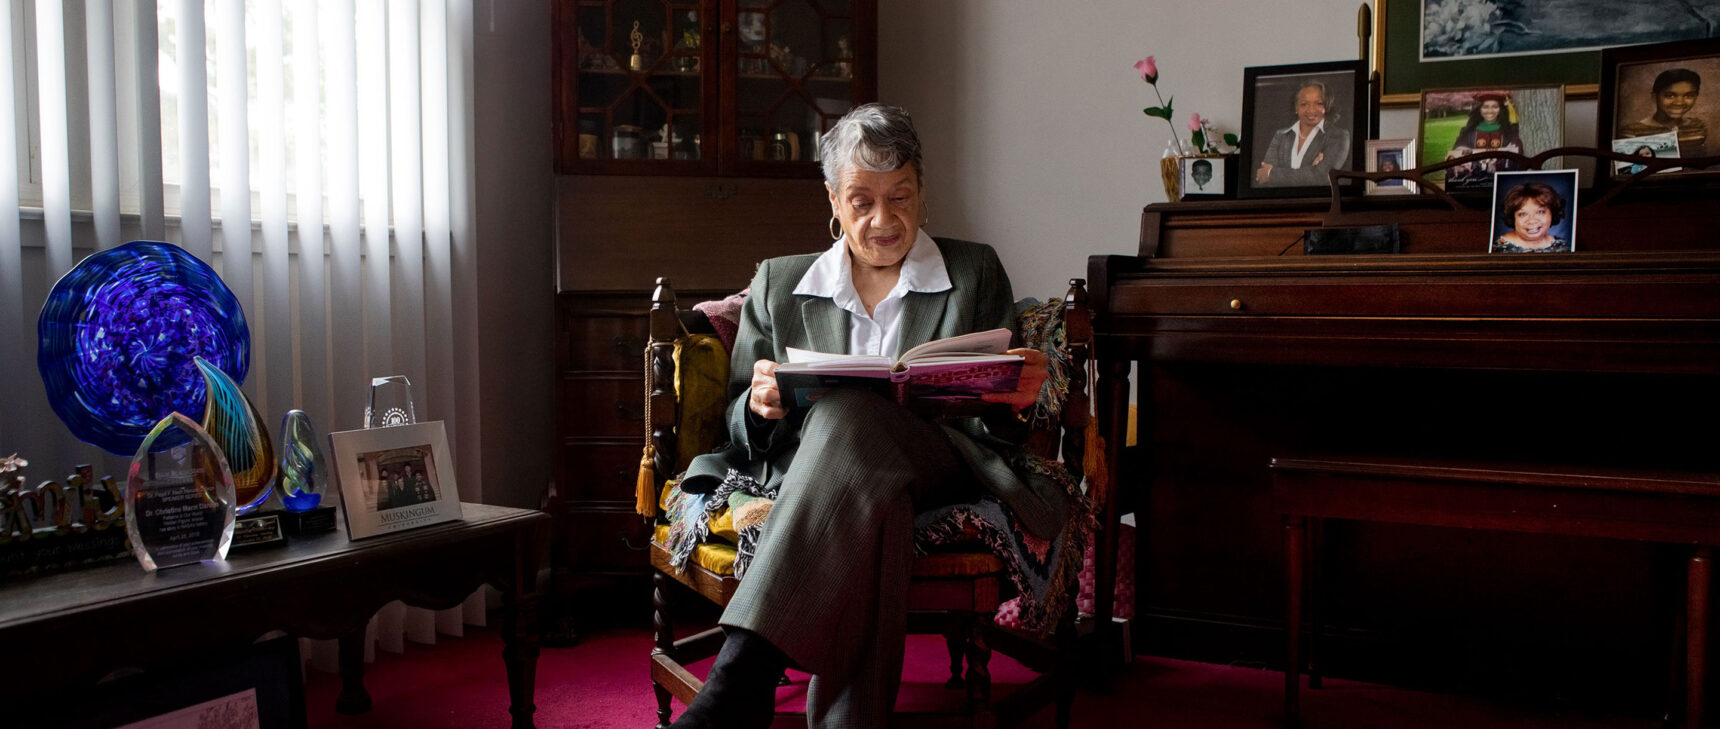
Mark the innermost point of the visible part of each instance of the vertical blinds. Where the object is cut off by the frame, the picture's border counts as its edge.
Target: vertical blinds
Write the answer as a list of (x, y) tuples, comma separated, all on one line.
[(303, 149), (314, 152)]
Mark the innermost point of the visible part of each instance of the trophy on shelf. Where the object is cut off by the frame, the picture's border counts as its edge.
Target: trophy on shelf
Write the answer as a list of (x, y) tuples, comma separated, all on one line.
[(390, 402), (636, 61), (179, 502), (304, 478)]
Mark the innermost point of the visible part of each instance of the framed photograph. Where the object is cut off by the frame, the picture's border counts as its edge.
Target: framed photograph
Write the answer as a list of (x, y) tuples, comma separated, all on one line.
[(1527, 120), (1653, 90), (395, 478), (257, 685), (1391, 155), (1422, 44), (1207, 178), (1299, 122), (1534, 212), (1664, 144)]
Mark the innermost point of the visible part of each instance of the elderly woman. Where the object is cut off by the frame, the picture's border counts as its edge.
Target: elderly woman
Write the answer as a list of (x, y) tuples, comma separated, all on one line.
[(1303, 153), (827, 588)]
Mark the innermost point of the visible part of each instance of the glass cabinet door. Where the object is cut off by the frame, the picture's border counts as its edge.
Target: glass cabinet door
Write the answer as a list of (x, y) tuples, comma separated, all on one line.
[(641, 97), (794, 75), (706, 87)]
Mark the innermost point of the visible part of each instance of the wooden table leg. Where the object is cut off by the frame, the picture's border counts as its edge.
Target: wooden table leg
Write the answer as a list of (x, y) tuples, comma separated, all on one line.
[(1294, 541), (520, 637), (1696, 634), (353, 698)]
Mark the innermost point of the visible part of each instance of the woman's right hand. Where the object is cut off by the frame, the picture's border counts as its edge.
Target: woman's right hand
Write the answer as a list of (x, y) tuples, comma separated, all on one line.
[(764, 399), (1261, 175)]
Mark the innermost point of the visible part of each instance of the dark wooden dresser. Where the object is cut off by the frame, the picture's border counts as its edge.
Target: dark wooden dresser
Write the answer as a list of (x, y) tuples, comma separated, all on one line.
[(1248, 350), (615, 236)]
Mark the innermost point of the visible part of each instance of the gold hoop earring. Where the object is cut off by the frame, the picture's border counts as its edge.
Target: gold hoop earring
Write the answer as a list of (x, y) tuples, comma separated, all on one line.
[(835, 229)]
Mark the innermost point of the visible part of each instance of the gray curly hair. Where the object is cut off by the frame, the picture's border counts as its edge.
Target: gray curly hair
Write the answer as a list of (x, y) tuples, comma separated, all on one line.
[(872, 137)]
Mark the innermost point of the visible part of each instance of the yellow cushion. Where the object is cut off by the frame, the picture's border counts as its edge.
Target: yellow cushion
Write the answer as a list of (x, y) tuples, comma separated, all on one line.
[(716, 557), (701, 389)]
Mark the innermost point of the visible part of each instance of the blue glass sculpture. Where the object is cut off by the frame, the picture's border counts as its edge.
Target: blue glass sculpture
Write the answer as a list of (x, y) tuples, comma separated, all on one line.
[(236, 426), (303, 475), (119, 335)]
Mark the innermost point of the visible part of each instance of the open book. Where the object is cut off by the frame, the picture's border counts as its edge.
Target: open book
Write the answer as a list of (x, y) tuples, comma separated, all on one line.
[(959, 367)]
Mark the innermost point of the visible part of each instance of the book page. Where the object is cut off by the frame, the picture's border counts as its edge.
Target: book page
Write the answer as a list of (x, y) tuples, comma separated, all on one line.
[(995, 341), (824, 359)]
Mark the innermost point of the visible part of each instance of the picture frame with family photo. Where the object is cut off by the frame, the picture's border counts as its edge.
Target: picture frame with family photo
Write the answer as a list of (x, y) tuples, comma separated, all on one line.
[(1391, 155), (1651, 91), (1534, 211), (1324, 105), (1207, 177), (1459, 122), (395, 478)]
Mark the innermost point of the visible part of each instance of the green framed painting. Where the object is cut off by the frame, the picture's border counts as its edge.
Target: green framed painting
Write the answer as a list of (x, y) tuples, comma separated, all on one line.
[(1485, 42)]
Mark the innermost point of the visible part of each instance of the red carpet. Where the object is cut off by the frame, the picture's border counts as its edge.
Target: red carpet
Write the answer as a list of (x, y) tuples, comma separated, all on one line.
[(604, 683)]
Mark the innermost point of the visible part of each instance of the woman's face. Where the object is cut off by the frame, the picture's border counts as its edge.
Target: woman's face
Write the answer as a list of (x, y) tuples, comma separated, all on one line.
[(880, 214), (1676, 99), (1310, 106), (1534, 222), (1490, 110)]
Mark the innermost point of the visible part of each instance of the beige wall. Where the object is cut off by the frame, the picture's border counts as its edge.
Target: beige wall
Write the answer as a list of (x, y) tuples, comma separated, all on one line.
[(1030, 111), (514, 299)]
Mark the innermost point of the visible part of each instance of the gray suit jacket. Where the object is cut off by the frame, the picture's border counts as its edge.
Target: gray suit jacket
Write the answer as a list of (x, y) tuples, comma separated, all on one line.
[(1333, 142), (775, 318)]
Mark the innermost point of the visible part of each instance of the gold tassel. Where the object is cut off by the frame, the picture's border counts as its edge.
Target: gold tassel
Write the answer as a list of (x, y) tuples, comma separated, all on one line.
[(1097, 473), (645, 492)]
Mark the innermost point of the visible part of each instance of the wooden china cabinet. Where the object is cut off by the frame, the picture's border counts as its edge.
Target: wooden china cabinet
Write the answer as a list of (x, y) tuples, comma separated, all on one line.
[(685, 143)]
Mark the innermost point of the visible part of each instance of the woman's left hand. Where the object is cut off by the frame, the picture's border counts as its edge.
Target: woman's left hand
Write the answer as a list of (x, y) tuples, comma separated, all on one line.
[(1027, 388)]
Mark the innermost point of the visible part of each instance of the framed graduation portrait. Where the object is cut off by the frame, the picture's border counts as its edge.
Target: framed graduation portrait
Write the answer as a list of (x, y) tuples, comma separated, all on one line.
[(1300, 122), (1527, 120)]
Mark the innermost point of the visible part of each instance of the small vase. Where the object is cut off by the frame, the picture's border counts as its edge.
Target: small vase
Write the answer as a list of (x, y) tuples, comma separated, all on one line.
[(1173, 181)]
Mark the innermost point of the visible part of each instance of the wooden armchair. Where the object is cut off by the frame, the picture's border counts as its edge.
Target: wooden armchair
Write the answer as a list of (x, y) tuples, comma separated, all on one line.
[(953, 594)]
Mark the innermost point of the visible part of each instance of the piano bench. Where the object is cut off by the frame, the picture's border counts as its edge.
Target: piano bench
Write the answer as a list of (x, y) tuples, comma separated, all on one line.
[(1653, 506)]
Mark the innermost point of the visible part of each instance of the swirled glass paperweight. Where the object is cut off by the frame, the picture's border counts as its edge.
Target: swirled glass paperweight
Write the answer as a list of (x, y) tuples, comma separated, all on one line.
[(179, 499), (235, 425), (118, 339), (303, 475)]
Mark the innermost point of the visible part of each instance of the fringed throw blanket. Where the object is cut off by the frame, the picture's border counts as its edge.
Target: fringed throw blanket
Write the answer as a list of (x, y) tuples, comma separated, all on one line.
[(691, 518)]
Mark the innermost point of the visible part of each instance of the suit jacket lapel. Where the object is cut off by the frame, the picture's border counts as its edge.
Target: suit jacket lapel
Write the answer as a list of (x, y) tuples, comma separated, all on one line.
[(826, 325), (921, 314)]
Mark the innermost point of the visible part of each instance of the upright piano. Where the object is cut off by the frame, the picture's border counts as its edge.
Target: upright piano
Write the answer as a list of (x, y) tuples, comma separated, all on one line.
[(1247, 350)]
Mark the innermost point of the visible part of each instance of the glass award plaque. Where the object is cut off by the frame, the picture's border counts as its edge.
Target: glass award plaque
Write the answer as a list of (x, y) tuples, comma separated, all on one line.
[(390, 402), (179, 503)]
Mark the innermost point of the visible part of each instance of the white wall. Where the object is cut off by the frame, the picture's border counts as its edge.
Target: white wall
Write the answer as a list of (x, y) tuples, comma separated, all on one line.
[(1030, 111)]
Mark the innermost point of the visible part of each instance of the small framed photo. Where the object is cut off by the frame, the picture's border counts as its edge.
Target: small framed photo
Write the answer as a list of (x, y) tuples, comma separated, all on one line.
[(1300, 122), (1454, 123), (1207, 178), (1390, 155), (1535, 212), (395, 478), (1654, 90), (1664, 144)]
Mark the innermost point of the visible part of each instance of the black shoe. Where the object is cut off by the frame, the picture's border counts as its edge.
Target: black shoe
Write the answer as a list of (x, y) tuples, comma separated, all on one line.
[(740, 692)]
